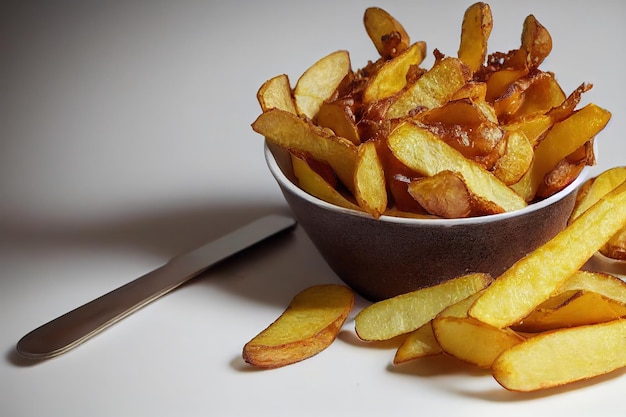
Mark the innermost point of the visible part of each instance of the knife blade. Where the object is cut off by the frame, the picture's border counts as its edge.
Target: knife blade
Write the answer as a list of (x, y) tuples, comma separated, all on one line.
[(75, 327)]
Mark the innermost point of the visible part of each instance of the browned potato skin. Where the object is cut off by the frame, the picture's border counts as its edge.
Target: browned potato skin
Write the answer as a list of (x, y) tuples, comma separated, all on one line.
[(388, 35)]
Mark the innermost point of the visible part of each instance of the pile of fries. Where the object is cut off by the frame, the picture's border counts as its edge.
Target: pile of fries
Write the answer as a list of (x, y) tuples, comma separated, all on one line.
[(473, 135)]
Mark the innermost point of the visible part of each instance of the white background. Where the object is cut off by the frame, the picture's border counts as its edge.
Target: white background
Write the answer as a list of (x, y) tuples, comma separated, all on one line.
[(125, 139)]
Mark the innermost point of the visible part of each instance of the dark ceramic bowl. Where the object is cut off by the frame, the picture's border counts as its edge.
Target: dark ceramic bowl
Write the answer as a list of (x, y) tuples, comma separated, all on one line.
[(381, 258)]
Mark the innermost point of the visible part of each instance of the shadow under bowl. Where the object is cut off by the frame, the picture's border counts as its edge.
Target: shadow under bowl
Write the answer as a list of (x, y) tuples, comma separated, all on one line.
[(385, 257)]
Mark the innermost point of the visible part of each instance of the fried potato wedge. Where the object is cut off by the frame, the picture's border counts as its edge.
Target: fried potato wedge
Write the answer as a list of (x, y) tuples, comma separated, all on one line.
[(407, 312), (597, 188), (563, 356), (391, 77), (434, 88), (516, 160), (424, 152), (532, 279), (606, 285), (443, 194), (533, 127), (292, 132), (309, 325), (314, 184), (318, 83), (369, 180), (468, 339), (338, 117), (387, 34), (616, 246), (582, 309), (418, 344), (536, 41), (562, 139), (475, 32), (275, 93)]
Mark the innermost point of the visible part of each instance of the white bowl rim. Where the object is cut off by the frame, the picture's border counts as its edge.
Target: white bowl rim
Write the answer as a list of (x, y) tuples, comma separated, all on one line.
[(282, 179)]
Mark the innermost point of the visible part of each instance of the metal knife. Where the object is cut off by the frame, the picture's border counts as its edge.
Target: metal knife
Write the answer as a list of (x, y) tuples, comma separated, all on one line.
[(75, 327)]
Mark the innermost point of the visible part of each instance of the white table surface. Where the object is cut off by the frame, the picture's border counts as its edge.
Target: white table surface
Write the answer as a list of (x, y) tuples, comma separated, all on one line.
[(125, 139)]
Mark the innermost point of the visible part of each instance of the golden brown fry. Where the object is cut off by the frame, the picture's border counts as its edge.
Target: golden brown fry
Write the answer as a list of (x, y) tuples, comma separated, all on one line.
[(276, 93), (418, 344), (338, 117), (475, 31), (391, 76), (536, 41), (422, 151), (370, 188), (314, 184), (320, 81), (407, 312), (532, 279), (598, 187), (292, 132), (563, 356), (443, 194), (387, 34), (309, 325), (432, 89), (517, 158)]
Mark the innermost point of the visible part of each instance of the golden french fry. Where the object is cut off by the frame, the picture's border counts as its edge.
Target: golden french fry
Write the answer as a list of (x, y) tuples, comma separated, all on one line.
[(407, 312), (536, 41), (418, 344), (562, 139), (276, 93), (370, 188), (563, 356), (543, 94), (320, 81), (391, 77), (424, 152), (606, 285), (616, 246), (598, 187), (582, 309), (314, 184), (309, 325), (338, 117), (532, 279), (475, 31), (517, 158), (533, 127), (387, 34), (292, 132), (432, 89)]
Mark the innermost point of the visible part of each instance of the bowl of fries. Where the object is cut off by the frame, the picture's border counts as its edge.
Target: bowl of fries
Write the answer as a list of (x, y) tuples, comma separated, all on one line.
[(390, 255), (405, 175)]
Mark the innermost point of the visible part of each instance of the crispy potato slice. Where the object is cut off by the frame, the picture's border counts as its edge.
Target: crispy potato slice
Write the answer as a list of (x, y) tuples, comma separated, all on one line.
[(543, 94), (291, 132), (533, 127), (582, 309), (444, 194), (424, 152), (391, 77), (276, 93), (475, 32), (562, 139), (418, 344), (318, 83), (607, 285), (369, 180), (517, 158), (309, 325), (472, 341), (387, 34), (407, 312), (536, 41), (563, 356), (501, 80), (468, 339), (598, 187), (434, 88), (532, 279), (314, 184), (337, 116)]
